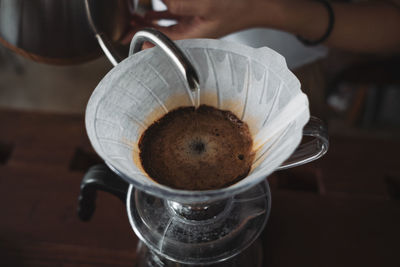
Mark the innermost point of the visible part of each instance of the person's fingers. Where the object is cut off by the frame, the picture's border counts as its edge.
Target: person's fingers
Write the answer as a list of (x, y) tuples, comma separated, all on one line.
[(173, 32), (189, 7), (185, 29), (168, 31), (136, 21), (147, 45), (157, 15), (127, 37)]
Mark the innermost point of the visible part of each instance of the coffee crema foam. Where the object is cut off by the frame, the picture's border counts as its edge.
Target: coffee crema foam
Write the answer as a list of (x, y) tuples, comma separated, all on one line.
[(200, 149)]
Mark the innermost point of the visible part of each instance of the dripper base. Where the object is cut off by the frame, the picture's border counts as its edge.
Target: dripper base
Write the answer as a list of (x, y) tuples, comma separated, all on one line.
[(199, 239), (252, 256)]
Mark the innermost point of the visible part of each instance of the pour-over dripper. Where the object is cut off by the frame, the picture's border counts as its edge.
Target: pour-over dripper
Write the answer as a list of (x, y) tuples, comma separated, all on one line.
[(256, 85)]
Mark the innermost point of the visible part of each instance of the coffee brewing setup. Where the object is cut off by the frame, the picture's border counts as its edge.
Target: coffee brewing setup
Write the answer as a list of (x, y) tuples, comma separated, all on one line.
[(184, 227)]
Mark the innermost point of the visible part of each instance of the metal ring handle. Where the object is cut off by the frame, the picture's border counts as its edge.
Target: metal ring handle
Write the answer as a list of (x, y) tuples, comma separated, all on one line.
[(171, 49), (312, 150)]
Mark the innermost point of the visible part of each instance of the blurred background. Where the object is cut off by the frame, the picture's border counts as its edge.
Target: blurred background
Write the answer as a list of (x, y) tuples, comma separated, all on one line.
[(342, 210), (34, 86)]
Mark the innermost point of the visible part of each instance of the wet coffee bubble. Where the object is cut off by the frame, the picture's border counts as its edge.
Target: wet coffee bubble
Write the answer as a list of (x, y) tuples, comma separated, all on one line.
[(198, 147)]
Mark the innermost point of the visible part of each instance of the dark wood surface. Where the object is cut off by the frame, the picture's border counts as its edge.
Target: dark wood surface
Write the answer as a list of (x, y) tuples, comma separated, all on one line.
[(343, 210)]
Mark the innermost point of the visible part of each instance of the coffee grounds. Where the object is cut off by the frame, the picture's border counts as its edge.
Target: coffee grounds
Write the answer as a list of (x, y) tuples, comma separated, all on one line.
[(200, 149)]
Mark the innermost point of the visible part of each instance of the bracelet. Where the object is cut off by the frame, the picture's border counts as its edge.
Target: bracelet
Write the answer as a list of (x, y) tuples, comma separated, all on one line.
[(328, 31)]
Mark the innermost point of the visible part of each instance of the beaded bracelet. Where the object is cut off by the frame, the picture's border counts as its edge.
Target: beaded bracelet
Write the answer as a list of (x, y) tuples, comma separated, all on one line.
[(328, 31)]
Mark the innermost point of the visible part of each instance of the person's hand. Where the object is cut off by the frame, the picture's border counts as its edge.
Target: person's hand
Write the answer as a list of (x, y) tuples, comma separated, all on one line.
[(204, 18), (136, 23), (209, 18)]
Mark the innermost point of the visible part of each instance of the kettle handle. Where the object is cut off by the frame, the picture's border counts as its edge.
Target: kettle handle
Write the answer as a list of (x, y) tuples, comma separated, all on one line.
[(311, 150), (99, 177)]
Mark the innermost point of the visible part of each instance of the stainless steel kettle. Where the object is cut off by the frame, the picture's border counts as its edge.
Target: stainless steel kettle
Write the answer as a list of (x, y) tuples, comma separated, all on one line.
[(63, 31)]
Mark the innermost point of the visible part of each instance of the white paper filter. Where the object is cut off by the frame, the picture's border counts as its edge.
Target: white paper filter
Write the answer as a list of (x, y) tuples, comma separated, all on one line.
[(255, 84)]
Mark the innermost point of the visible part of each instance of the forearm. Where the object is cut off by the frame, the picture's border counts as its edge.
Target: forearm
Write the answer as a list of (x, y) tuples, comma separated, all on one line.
[(365, 27)]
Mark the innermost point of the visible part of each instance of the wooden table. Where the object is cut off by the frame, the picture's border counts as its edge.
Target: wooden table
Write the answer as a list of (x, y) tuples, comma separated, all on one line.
[(343, 210)]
